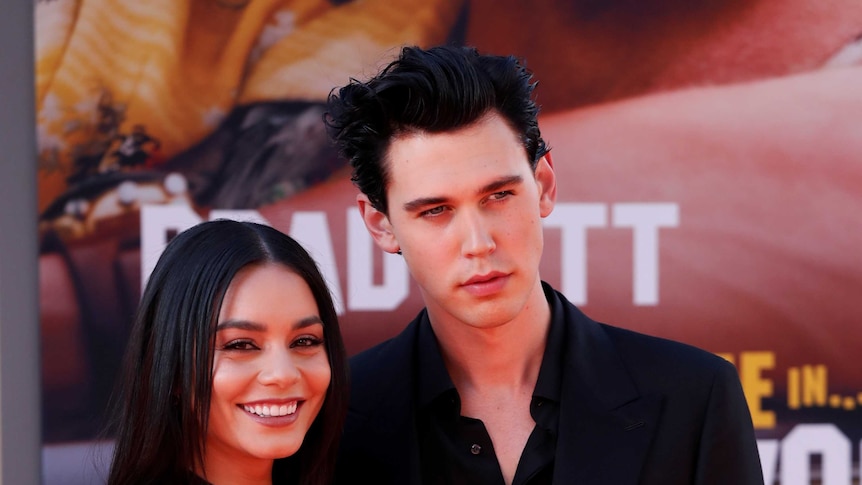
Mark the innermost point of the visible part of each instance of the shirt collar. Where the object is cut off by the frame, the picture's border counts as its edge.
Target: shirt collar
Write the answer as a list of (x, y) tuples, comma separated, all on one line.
[(550, 379), (434, 379)]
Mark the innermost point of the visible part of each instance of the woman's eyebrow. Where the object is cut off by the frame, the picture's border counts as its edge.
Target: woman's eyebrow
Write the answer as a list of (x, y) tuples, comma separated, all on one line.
[(308, 321), (241, 325), (259, 327)]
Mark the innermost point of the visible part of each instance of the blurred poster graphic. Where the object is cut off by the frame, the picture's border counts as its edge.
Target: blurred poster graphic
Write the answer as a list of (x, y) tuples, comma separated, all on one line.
[(709, 157)]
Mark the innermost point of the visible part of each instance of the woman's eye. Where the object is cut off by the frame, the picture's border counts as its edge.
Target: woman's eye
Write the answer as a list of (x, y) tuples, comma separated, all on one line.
[(307, 342), (240, 345)]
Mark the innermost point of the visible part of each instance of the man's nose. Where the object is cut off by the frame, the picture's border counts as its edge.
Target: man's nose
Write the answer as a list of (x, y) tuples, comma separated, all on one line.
[(477, 235)]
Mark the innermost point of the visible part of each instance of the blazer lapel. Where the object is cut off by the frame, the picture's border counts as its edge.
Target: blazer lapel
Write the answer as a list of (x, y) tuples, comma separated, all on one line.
[(605, 426)]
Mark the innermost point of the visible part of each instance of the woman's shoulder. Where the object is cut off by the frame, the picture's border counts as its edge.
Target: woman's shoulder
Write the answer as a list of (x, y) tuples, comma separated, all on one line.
[(193, 479)]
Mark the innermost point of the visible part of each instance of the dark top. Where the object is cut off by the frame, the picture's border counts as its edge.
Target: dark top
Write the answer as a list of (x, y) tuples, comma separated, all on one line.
[(456, 449), (634, 409), (194, 479)]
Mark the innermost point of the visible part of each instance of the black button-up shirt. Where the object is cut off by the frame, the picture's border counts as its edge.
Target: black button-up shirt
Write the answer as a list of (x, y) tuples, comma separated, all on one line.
[(455, 449)]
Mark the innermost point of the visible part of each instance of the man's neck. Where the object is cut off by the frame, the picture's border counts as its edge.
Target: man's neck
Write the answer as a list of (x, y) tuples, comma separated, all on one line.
[(503, 357), (495, 370)]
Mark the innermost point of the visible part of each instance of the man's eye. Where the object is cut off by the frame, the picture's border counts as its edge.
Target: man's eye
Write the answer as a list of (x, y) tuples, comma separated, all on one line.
[(433, 211), (501, 195), (240, 345)]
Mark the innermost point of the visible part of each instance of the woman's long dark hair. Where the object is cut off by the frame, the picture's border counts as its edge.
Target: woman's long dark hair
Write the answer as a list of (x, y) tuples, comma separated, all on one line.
[(163, 398)]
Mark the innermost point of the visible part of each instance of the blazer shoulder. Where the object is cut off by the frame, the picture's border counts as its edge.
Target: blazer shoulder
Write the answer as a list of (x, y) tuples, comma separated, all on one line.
[(386, 369), (378, 439), (382, 356), (650, 356)]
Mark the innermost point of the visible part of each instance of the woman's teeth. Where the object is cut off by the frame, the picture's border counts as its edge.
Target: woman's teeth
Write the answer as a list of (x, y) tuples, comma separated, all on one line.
[(274, 410)]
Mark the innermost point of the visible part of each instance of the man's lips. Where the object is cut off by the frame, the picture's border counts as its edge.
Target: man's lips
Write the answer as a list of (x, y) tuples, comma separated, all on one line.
[(485, 285), (480, 279)]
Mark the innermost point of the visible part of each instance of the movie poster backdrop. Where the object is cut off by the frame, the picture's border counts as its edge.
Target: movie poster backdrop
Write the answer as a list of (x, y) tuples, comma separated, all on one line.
[(708, 154)]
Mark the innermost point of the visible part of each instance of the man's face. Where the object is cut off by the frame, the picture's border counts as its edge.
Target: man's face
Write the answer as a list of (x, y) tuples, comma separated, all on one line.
[(465, 209)]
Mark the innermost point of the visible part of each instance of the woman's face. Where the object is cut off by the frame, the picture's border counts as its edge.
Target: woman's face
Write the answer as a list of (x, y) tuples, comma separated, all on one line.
[(270, 368)]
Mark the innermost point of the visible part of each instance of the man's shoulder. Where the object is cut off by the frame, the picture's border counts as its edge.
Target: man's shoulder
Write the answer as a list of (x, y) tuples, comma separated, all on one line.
[(660, 359), (390, 351), (636, 348), (384, 368)]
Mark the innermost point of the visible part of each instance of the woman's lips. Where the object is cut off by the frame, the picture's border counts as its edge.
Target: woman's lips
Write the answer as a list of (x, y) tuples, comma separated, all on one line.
[(280, 414)]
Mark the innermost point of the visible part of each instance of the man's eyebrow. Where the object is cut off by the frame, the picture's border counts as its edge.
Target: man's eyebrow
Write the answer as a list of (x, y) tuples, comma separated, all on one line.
[(500, 183), (494, 186), (259, 327), (417, 204)]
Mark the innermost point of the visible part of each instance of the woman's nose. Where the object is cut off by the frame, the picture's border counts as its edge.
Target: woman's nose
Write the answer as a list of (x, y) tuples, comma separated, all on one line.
[(278, 368)]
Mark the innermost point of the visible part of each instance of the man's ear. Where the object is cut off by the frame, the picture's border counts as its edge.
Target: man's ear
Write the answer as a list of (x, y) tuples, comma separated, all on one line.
[(546, 179), (378, 225)]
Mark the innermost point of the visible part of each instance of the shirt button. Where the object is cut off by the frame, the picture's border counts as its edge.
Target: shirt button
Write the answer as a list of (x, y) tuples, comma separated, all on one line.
[(475, 449)]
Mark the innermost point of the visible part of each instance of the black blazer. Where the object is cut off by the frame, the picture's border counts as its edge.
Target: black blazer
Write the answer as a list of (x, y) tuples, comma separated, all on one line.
[(634, 409)]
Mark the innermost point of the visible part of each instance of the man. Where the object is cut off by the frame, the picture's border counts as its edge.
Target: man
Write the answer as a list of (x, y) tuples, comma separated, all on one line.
[(500, 379)]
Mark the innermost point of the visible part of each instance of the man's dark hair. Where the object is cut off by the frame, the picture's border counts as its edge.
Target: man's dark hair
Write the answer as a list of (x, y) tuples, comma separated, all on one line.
[(436, 90)]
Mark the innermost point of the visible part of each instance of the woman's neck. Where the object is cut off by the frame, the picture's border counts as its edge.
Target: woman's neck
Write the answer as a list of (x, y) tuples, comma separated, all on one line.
[(219, 470)]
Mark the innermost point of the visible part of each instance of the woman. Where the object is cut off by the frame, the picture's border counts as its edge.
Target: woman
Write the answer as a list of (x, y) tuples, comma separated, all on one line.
[(235, 361)]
